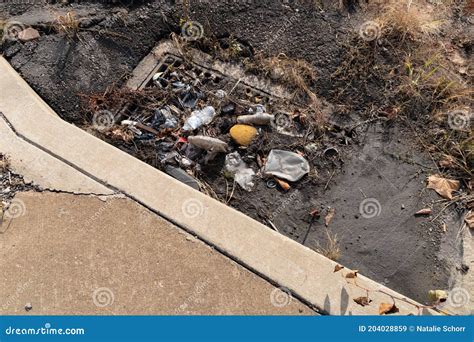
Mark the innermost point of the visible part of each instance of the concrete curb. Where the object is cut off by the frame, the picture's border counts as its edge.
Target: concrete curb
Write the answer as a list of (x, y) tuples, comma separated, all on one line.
[(280, 260), (42, 169)]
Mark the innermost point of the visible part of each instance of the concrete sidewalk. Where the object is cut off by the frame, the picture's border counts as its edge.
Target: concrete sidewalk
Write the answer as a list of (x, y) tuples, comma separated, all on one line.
[(80, 255)]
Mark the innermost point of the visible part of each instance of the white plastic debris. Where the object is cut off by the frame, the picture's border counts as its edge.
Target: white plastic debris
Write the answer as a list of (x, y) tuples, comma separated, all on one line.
[(286, 165), (132, 126), (128, 123), (157, 76), (256, 119), (209, 144), (199, 118), (243, 175), (220, 94)]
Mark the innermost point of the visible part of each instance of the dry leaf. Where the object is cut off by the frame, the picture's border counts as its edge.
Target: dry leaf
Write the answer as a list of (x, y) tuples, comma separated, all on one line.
[(469, 219), (284, 185), (363, 301), (425, 211), (443, 186), (121, 134), (315, 213), (329, 216), (447, 161), (338, 268), (386, 309), (352, 274)]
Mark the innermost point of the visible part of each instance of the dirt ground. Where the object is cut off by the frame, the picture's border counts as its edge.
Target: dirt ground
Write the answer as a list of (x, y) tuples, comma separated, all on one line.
[(384, 159)]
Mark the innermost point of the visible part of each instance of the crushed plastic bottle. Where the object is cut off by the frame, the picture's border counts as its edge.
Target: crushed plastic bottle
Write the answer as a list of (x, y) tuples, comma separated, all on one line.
[(286, 165), (199, 118), (243, 175)]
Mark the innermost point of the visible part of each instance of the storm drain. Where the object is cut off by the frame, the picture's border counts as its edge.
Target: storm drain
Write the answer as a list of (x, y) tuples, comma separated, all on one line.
[(195, 82)]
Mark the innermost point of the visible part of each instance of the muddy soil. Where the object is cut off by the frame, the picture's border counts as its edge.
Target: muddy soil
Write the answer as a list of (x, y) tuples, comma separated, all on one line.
[(383, 161)]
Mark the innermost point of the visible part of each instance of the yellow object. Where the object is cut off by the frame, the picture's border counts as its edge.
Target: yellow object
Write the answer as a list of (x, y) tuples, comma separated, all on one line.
[(243, 134)]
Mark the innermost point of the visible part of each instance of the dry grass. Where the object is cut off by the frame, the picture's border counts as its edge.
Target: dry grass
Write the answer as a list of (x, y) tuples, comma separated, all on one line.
[(331, 249), (67, 24), (409, 19), (427, 73), (295, 72)]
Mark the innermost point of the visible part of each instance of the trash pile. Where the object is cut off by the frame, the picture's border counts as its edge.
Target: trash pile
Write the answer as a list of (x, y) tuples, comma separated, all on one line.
[(201, 117)]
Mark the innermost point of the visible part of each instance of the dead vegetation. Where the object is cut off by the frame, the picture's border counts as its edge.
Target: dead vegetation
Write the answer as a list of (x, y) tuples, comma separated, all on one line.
[(402, 66), (331, 249), (67, 24), (408, 19)]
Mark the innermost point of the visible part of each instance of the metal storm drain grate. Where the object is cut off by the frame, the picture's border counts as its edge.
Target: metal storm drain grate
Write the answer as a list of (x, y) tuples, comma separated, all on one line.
[(188, 108)]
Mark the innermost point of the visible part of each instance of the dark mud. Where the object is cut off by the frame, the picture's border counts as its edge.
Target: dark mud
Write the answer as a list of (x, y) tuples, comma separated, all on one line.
[(382, 161)]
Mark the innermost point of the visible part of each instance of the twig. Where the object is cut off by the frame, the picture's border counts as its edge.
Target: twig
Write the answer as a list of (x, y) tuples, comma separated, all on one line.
[(272, 226), (326, 186), (231, 193), (307, 232)]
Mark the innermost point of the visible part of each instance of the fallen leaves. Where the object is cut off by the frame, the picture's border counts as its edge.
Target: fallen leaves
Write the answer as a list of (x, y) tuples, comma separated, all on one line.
[(443, 186), (351, 275), (469, 219), (329, 216), (386, 309), (447, 161), (362, 301), (425, 211)]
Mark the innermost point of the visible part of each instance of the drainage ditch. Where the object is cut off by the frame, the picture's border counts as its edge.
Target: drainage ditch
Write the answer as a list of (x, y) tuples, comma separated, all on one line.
[(249, 143)]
